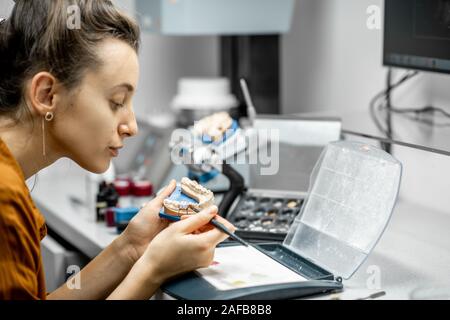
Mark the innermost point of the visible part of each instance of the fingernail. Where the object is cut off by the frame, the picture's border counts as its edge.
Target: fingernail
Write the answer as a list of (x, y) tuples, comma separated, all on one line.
[(144, 205), (213, 210)]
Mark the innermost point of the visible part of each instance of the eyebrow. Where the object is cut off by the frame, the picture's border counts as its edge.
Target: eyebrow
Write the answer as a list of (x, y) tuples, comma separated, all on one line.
[(127, 86)]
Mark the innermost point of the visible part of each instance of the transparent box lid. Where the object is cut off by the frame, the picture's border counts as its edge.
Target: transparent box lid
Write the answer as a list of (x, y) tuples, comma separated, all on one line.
[(352, 193)]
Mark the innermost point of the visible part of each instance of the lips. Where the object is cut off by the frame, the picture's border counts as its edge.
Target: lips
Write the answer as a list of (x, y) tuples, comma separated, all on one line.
[(114, 151)]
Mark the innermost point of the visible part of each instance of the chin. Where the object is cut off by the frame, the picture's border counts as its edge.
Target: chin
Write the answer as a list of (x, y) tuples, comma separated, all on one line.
[(95, 165), (99, 170)]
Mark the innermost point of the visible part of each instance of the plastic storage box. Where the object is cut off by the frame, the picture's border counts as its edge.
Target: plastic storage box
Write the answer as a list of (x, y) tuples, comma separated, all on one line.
[(352, 194)]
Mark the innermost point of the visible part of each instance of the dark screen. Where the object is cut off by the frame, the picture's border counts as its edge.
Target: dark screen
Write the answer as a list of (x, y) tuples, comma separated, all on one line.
[(417, 34)]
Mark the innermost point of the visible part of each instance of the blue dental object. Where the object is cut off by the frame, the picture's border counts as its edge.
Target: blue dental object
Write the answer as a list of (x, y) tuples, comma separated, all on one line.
[(177, 195)]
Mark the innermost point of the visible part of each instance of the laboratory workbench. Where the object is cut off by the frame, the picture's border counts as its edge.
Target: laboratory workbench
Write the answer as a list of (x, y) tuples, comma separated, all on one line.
[(413, 254), (60, 194)]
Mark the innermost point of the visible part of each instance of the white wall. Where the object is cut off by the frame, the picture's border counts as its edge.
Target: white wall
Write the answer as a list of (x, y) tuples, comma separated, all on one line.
[(332, 61), (164, 60), (5, 8)]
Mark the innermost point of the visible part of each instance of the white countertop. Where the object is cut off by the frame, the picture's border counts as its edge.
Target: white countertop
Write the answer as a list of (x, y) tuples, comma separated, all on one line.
[(52, 192), (413, 252)]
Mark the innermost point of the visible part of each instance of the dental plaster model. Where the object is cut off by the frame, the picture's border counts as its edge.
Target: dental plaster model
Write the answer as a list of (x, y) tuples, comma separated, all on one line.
[(214, 126), (192, 189)]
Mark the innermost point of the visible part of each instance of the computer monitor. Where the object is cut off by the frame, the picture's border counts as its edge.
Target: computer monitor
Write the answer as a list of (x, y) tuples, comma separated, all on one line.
[(417, 34)]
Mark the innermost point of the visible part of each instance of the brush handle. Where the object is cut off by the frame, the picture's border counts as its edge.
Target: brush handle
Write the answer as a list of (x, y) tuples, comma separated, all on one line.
[(224, 229), (214, 222)]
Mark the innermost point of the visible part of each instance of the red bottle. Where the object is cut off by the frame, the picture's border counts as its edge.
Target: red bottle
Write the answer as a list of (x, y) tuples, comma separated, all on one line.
[(142, 192), (123, 188)]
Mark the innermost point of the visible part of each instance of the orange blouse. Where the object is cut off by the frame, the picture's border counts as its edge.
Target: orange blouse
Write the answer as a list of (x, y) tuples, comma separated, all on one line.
[(22, 227)]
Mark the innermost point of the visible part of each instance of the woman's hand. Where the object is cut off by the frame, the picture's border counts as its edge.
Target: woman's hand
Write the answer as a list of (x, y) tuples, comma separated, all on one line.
[(181, 247), (146, 225), (184, 246)]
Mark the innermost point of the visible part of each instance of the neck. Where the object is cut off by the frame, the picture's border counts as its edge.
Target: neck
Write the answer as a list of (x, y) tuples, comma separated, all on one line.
[(25, 142)]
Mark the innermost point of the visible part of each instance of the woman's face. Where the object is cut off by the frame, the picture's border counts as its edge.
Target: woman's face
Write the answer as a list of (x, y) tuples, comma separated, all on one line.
[(96, 118)]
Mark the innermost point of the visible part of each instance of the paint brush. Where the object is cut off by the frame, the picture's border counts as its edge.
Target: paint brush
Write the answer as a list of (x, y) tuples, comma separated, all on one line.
[(225, 230)]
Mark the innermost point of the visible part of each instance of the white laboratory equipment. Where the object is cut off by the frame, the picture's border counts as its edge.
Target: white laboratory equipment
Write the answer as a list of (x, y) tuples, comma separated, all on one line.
[(60, 262), (212, 17), (199, 97)]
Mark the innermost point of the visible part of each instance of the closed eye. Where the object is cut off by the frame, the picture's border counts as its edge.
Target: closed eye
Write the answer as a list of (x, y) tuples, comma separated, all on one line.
[(116, 106)]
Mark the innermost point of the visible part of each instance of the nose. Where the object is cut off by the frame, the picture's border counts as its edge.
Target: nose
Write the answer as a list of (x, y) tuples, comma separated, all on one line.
[(130, 128)]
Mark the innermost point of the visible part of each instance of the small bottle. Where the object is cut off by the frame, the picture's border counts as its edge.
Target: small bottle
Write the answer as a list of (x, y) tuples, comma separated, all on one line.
[(108, 199), (123, 188), (95, 198), (101, 203), (123, 217), (110, 217), (142, 192)]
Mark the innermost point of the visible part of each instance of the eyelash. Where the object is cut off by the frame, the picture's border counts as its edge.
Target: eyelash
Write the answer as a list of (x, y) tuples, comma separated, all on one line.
[(116, 106)]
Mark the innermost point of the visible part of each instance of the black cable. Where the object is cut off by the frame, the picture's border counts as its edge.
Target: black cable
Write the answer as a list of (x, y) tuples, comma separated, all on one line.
[(414, 115), (400, 143), (384, 94), (237, 187), (219, 191), (388, 103), (418, 111), (377, 106), (430, 123), (426, 109)]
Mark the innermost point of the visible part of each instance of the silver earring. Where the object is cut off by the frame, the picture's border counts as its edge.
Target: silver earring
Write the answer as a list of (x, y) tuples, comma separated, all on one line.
[(48, 117)]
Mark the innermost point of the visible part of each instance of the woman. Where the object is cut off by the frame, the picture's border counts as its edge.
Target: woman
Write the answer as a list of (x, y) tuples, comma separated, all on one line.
[(67, 92)]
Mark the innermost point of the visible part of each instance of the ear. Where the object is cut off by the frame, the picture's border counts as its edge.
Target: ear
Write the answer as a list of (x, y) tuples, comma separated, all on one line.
[(43, 93)]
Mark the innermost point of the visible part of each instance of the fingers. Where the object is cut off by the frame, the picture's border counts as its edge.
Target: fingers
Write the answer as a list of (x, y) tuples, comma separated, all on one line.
[(226, 223), (166, 192), (209, 226), (211, 238), (206, 227), (197, 221), (215, 236)]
